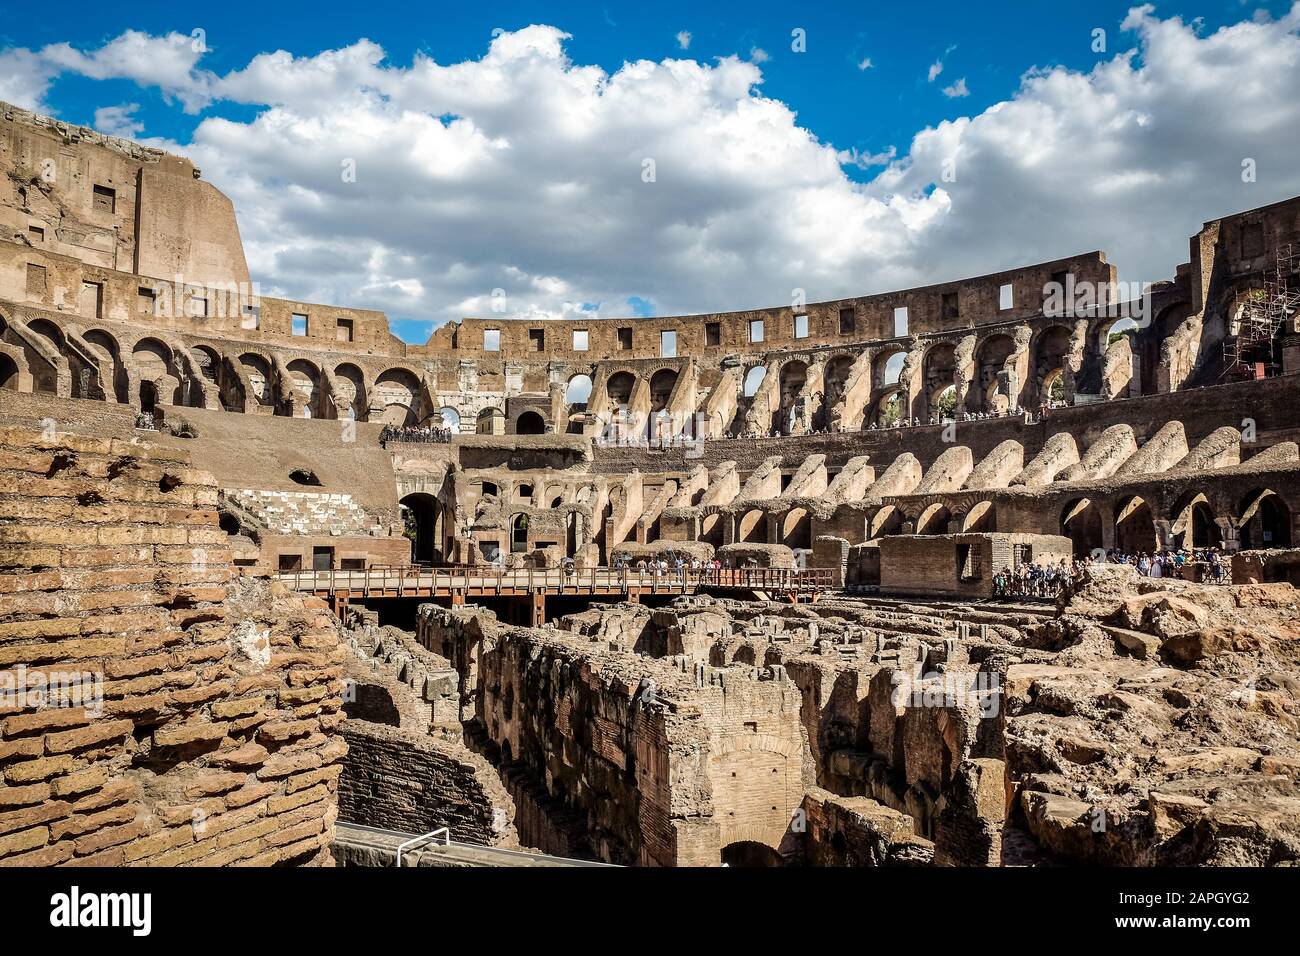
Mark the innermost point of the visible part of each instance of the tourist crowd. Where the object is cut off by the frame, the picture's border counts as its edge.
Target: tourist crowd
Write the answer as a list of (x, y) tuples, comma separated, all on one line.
[(1169, 564), (1031, 579), (416, 434)]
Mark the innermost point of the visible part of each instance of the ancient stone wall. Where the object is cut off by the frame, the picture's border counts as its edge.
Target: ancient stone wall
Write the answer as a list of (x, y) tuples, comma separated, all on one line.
[(197, 717), (415, 783)]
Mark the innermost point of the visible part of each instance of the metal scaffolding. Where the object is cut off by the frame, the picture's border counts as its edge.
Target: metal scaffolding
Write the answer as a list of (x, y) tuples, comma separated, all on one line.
[(1249, 343)]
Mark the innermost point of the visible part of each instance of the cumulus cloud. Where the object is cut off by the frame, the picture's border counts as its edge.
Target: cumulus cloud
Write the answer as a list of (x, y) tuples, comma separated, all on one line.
[(684, 39), (166, 62), (524, 171), (865, 63), (119, 120), (956, 90)]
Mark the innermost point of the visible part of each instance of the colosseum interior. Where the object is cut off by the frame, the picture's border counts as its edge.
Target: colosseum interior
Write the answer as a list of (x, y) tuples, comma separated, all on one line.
[(843, 584)]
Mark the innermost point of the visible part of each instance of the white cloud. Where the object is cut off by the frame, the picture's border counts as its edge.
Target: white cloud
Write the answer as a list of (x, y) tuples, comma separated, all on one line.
[(119, 120), (521, 170), (956, 90), (758, 55), (684, 39), (935, 69), (865, 64), (166, 62)]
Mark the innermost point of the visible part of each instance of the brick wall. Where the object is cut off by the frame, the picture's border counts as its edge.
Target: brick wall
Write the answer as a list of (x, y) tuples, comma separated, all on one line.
[(403, 780), (205, 728)]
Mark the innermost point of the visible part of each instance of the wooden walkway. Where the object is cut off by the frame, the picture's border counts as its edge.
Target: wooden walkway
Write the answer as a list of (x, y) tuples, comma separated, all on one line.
[(462, 583)]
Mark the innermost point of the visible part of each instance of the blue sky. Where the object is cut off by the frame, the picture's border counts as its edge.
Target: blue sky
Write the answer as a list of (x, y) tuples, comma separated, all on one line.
[(870, 110), (757, 198)]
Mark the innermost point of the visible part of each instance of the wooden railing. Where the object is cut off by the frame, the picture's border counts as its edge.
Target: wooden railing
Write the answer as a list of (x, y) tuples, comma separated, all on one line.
[(417, 579)]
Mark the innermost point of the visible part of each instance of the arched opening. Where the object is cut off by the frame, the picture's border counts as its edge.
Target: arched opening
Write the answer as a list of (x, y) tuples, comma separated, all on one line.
[(1265, 521), (154, 362), (258, 372), (449, 419), (934, 520), (1152, 340), (530, 423), (981, 519), (350, 391), (519, 533), (940, 370), (748, 853), (889, 410), (887, 368), (8, 372), (794, 375), (1135, 528), (1051, 353), (1081, 523), (752, 528), (753, 379), (945, 405), (578, 392), (620, 387), (148, 397), (888, 520), (398, 415), (1194, 525), (992, 392), (490, 421), (711, 529), (796, 529), (398, 387), (421, 517), (304, 379), (837, 374), (107, 353)]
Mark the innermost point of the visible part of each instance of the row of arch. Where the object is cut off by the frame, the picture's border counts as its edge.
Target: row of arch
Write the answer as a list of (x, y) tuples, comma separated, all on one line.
[(152, 371)]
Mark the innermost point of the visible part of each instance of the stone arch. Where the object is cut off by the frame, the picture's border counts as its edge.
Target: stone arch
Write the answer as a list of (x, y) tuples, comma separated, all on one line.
[(155, 364), (939, 374), (1081, 523), (1193, 524), (619, 387), (350, 391), (577, 393), (791, 379), (490, 421), (1265, 520), (530, 423), (796, 528), (518, 533), (1135, 529), (1152, 340), (887, 366), (752, 528), (257, 369), (305, 380), (934, 519), (108, 353), (423, 519), (888, 520), (449, 418), (890, 408), (711, 529), (980, 519), (397, 386), (990, 361), (835, 378), (8, 372), (662, 384), (1051, 351), (753, 380)]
